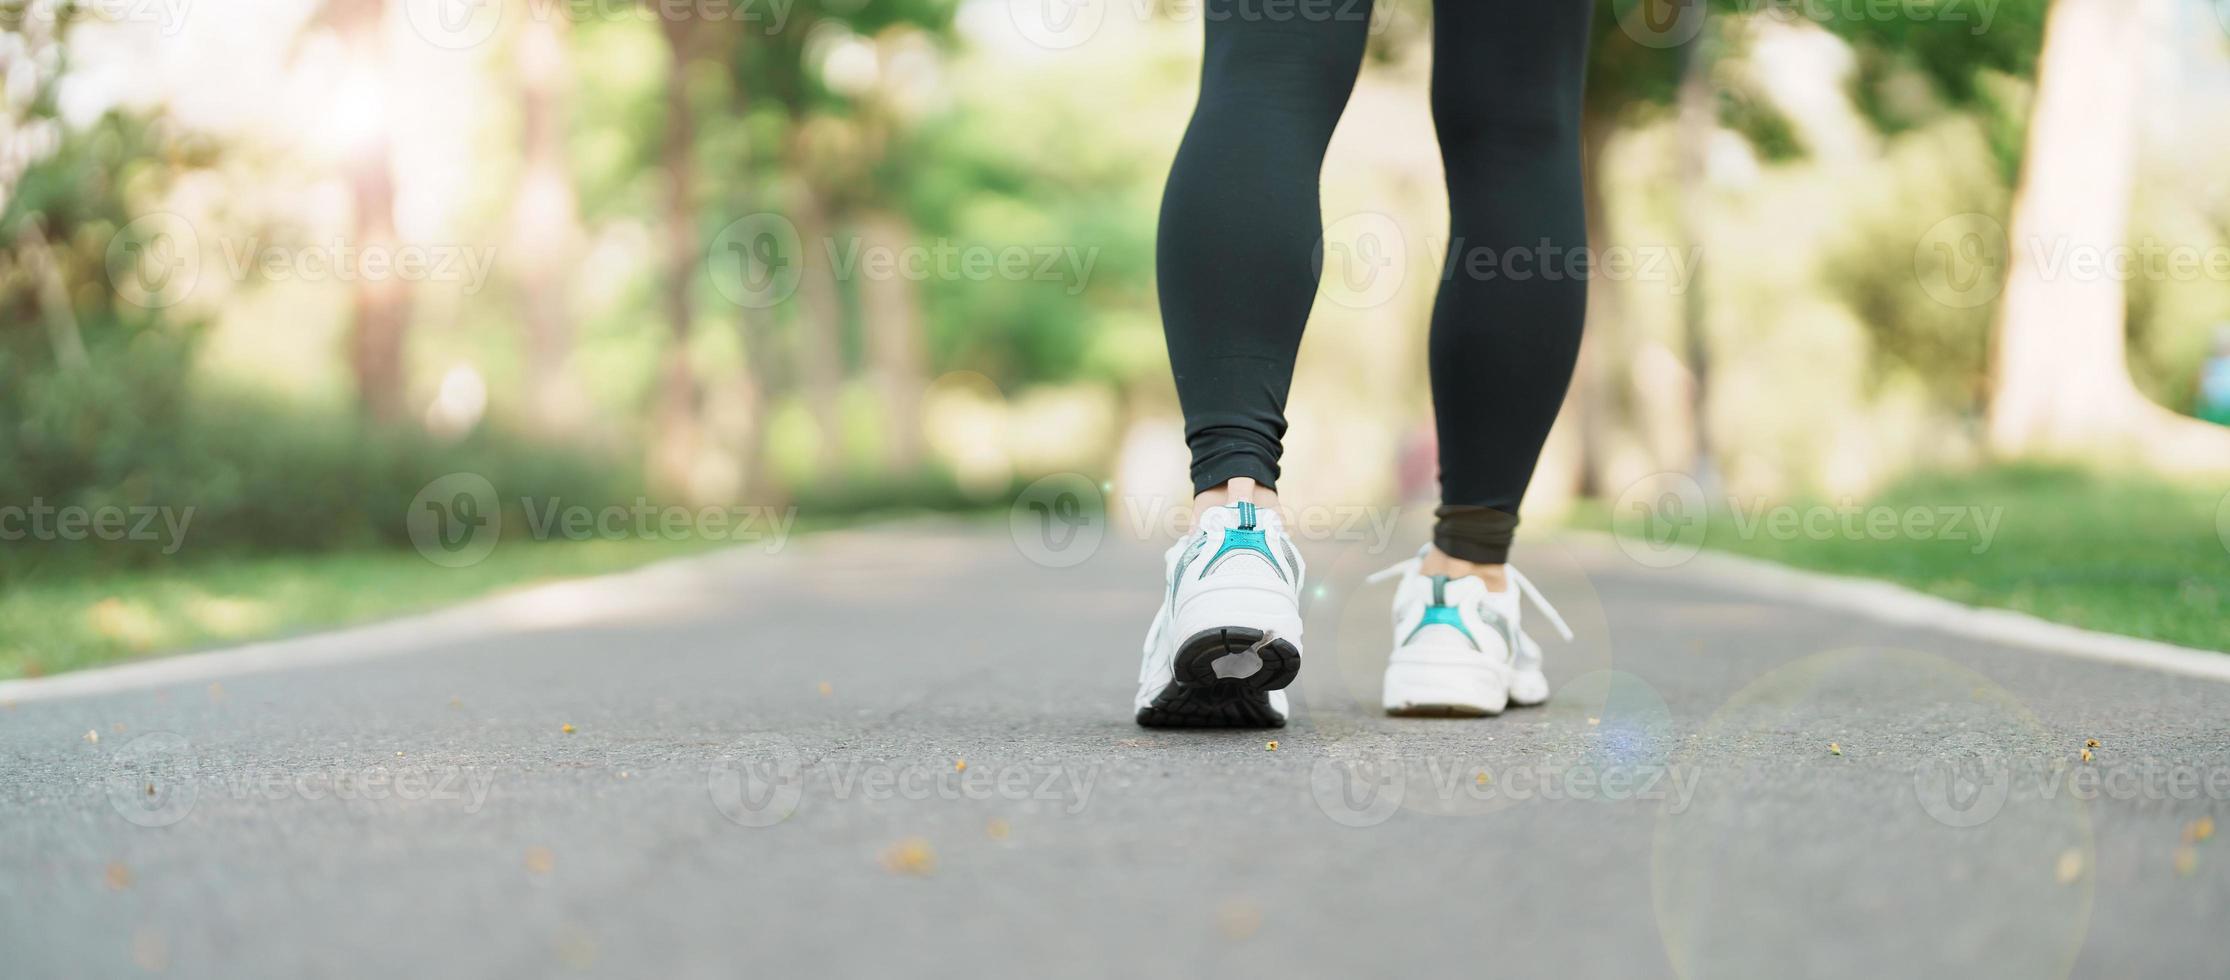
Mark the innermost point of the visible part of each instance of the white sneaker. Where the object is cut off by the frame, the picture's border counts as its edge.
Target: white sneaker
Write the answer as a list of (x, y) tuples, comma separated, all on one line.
[(1228, 637), (1457, 646)]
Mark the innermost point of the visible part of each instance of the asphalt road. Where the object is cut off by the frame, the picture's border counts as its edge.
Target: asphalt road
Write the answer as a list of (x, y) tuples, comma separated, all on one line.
[(764, 776)]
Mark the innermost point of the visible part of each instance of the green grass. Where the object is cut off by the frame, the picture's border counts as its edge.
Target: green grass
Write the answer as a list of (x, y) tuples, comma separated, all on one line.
[(83, 619), (2122, 554)]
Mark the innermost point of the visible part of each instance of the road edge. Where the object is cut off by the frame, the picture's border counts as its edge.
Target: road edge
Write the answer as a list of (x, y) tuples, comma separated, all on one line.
[(1893, 603)]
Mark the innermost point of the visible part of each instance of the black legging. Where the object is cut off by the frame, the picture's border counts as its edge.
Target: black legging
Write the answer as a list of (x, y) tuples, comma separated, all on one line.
[(1241, 233)]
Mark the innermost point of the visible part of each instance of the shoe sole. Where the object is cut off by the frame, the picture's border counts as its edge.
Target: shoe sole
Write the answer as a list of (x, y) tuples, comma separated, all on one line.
[(1223, 679), (1427, 690)]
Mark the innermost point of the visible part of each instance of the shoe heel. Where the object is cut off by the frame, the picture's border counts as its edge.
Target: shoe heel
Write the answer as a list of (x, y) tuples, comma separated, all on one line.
[(1232, 660)]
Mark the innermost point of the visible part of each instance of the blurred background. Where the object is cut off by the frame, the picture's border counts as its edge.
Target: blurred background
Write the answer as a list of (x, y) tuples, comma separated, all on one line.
[(287, 262)]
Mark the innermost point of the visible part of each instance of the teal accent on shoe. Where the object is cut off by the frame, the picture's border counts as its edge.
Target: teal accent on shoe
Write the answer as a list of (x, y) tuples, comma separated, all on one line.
[(1244, 539), (1440, 613), (1246, 516)]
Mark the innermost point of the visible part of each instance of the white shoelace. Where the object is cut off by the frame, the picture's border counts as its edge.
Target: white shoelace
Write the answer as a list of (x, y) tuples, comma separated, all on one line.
[(1518, 581)]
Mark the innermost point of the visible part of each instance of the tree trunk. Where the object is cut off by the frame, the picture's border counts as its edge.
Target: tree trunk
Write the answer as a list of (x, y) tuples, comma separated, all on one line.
[(380, 306), (1594, 381), (891, 307), (673, 442), (1698, 120), (2060, 366), (820, 319), (546, 228)]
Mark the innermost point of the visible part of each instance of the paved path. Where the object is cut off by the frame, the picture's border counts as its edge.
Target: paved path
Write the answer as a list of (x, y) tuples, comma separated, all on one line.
[(763, 779)]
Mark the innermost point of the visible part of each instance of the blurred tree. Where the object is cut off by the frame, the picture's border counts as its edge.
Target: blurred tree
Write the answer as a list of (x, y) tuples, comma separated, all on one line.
[(381, 304), (674, 421), (545, 224), (2061, 382)]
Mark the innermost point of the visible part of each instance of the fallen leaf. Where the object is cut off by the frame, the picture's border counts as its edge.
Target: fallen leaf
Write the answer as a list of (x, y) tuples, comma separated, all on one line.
[(93, 736), (2199, 830), (2090, 743), (2070, 866), (911, 856), (2086, 755), (1594, 721), (119, 876), (151, 951), (827, 690), (576, 949), (567, 729), (1272, 745), (1239, 919), (1834, 748), (540, 860), (1482, 779), (997, 829), (960, 765), (398, 753)]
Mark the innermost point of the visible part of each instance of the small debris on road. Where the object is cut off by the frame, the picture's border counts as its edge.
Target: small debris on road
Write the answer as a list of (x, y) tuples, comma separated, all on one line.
[(567, 729), (540, 860), (2070, 866), (911, 856)]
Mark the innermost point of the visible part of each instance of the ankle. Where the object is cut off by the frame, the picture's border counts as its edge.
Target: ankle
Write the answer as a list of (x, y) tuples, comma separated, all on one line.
[(1233, 491), (1434, 562)]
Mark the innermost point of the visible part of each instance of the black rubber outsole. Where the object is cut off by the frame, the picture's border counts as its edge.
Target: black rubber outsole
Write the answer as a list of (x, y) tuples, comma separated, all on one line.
[(1200, 699), (1197, 656), (1184, 706)]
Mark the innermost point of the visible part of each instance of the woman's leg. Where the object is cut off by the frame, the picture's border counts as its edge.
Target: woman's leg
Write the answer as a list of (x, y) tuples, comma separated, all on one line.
[(1240, 226), (1506, 328)]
